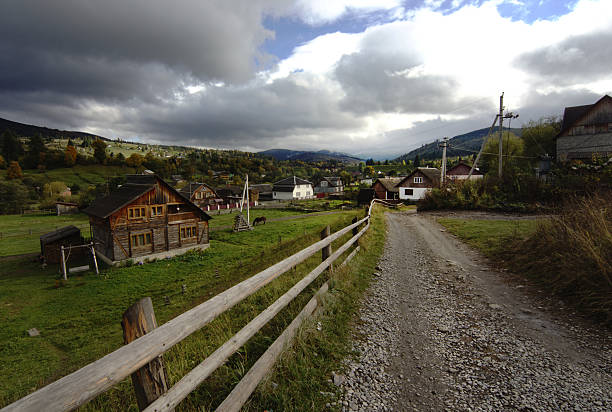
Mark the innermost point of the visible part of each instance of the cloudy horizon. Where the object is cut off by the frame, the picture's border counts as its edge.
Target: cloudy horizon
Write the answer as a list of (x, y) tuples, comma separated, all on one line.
[(369, 78)]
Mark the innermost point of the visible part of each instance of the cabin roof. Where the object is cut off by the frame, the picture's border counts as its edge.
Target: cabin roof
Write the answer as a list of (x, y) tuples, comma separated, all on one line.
[(135, 186), (457, 166), (573, 114), (333, 180), (431, 173), (59, 234), (389, 183), (291, 182), (191, 188)]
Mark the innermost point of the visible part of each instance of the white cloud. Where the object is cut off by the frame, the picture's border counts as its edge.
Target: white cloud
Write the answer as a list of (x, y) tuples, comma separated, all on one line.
[(325, 11)]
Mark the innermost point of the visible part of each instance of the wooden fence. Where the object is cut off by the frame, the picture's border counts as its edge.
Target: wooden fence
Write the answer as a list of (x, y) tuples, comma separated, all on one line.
[(142, 354)]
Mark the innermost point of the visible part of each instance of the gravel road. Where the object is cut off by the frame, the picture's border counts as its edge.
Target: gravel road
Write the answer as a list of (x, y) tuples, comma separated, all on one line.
[(440, 330)]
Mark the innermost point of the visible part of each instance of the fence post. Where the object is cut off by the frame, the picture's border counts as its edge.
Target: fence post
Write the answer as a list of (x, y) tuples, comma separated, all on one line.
[(327, 250), (64, 274), (355, 231), (150, 380)]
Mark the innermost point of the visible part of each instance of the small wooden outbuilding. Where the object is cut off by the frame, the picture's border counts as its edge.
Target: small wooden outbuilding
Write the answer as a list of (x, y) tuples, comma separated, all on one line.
[(50, 243)]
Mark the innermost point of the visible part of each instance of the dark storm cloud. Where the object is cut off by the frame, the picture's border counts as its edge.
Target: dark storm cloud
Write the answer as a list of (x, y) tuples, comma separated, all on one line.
[(118, 47), (578, 59), (234, 116)]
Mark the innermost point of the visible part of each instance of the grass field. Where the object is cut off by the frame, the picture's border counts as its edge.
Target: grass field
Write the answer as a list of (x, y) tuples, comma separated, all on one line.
[(489, 236), (79, 320), (16, 238), (15, 229), (79, 174)]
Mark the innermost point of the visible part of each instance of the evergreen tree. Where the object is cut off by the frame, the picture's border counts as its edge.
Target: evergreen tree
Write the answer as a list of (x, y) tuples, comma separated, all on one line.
[(36, 152), (12, 148)]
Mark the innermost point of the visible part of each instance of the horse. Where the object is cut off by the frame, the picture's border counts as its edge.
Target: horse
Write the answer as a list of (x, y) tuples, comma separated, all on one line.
[(259, 221)]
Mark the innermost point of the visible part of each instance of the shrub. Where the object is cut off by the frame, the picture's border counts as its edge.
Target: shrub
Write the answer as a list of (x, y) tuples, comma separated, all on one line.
[(571, 254)]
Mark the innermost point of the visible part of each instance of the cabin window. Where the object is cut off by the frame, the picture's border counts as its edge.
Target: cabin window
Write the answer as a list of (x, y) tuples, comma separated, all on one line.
[(138, 212), (175, 208), (157, 211), (408, 192), (323, 184), (418, 180), (188, 232), (199, 195), (141, 239), (297, 194)]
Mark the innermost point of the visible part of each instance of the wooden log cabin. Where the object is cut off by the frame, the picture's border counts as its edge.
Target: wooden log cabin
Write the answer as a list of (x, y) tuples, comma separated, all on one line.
[(146, 218)]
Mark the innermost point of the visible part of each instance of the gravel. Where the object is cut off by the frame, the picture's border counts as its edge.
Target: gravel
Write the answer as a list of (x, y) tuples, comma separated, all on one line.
[(439, 330)]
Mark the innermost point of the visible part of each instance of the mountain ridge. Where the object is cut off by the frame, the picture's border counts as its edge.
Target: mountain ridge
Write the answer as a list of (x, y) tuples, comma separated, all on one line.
[(461, 145), (309, 156)]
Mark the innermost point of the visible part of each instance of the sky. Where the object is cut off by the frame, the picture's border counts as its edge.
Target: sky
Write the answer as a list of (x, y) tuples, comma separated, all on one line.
[(372, 78)]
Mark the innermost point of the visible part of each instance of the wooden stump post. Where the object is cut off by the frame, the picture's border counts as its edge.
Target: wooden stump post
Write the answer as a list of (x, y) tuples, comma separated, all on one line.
[(327, 250), (355, 231), (150, 380)]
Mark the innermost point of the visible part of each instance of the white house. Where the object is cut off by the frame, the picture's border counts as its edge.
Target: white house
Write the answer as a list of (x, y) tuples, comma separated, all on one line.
[(292, 188), (419, 182)]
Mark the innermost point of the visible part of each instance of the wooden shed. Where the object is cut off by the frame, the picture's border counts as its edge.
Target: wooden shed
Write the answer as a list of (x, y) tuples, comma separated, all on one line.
[(146, 218), (51, 242)]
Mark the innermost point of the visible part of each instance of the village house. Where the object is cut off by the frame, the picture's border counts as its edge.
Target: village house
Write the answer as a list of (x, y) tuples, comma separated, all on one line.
[(385, 189), (461, 171), (586, 131), (419, 182), (292, 188), (146, 218), (329, 185), (200, 194), (264, 189)]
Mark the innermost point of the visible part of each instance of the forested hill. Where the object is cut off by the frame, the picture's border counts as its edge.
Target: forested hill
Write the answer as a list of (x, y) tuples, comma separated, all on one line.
[(28, 130), (306, 156), (463, 145)]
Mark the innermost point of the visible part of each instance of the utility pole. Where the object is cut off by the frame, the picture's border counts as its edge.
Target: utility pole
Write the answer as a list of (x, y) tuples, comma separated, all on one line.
[(444, 145), (501, 131)]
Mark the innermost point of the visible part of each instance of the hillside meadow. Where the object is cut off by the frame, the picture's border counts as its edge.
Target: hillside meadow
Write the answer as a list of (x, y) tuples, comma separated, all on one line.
[(79, 320), (20, 234)]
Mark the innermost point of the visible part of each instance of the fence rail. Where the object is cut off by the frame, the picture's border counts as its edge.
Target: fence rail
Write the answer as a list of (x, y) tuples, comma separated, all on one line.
[(86, 383)]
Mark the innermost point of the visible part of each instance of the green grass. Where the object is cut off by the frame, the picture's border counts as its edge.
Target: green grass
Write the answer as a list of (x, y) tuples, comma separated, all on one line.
[(228, 219), (489, 236), (79, 320), (303, 370), (16, 238)]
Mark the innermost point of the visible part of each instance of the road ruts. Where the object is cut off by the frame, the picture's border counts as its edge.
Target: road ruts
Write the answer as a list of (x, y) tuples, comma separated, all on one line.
[(440, 330)]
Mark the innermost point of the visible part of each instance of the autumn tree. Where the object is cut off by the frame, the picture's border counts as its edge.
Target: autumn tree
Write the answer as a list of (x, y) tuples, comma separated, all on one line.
[(99, 150), (134, 160), (2, 162), (70, 156), (14, 171)]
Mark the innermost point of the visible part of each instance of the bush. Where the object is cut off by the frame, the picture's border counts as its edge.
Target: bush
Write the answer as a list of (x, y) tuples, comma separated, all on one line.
[(571, 253)]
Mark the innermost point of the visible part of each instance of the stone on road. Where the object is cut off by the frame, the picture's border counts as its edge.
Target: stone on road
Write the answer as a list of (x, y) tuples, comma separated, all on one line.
[(440, 330)]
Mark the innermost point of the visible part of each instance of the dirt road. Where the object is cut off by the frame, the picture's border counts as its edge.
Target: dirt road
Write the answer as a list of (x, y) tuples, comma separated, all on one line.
[(441, 330)]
